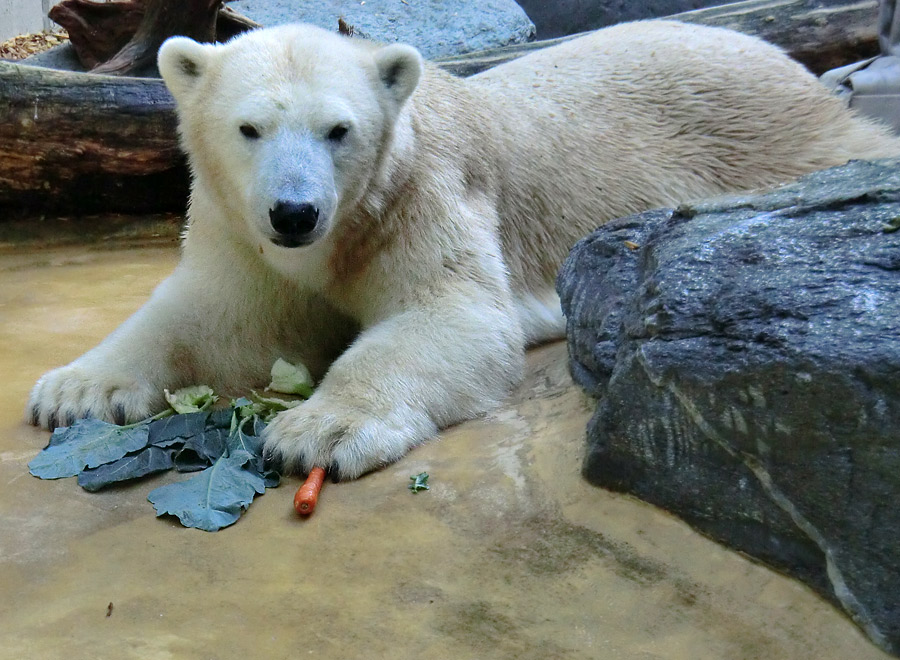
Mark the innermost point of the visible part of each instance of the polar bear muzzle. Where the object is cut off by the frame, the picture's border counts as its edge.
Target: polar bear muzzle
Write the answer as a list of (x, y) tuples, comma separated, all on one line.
[(294, 224)]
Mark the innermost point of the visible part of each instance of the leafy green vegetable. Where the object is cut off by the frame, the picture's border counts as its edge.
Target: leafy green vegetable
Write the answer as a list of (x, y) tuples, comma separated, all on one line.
[(87, 443), (223, 446), (202, 450), (214, 498), (193, 399), (148, 460), (266, 407), (272, 478), (175, 429), (241, 440), (290, 378), (419, 482), (220, 419)]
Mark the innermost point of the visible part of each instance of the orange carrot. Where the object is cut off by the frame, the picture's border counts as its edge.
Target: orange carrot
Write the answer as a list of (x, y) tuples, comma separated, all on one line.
[(308, 494)]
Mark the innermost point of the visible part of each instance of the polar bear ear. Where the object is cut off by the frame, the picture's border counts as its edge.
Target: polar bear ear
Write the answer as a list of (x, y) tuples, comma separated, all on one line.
[(181, 63), (400, 68)]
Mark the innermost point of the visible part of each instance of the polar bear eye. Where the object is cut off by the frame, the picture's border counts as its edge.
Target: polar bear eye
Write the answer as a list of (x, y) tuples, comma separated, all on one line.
[(249, 131), (338, 133)]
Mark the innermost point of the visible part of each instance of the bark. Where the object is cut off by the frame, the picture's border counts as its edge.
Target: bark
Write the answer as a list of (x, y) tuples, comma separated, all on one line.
[(122, 37), (78, 142), (97, 30)]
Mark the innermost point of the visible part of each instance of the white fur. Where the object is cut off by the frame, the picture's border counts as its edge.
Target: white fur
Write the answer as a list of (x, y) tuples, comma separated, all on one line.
[(444, 213)]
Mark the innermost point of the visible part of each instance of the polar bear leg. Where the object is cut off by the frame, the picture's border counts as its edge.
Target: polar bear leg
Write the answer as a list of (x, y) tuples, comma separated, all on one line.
[(448, 354), (210, 322)]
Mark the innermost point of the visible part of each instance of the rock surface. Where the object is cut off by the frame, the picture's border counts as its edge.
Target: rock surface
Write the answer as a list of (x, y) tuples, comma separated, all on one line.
[(745, 354), (436, 27)]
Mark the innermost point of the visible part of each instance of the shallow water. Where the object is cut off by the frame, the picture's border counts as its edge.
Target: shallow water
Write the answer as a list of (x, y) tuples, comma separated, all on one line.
[(509, 555)]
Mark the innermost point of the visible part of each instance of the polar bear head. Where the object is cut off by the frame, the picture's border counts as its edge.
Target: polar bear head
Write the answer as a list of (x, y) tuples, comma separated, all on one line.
[(286, 127)]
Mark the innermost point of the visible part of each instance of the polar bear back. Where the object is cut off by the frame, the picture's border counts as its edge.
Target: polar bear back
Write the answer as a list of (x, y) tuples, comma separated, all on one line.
[(650, 114)]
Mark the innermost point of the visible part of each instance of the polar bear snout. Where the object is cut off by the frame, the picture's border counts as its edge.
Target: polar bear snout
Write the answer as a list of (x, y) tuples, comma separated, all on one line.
[(294, 224)]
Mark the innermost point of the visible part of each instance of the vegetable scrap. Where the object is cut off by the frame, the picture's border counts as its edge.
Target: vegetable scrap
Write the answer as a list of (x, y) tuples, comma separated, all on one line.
[(290, 378), (222, 446), (419, 482), (195, 398), (308, 494)]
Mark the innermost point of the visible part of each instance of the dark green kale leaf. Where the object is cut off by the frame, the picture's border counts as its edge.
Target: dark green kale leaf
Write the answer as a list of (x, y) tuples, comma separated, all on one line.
[(224, 446), (177, 428), (87, 443), (239, 439), (149, 460), (202, 450), (214, 498), (220, 419), (419, 482)]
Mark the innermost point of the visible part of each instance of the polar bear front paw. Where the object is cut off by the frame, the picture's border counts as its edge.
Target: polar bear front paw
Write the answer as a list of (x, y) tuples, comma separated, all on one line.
[(76, 391), (348, 440)]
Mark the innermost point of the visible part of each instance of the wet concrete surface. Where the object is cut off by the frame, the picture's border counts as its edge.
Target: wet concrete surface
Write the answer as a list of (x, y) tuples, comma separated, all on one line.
[(509, 555)]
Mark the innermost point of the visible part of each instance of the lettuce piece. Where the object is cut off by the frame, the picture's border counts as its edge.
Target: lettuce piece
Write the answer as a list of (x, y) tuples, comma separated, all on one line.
[(290, 378), (193, 399)]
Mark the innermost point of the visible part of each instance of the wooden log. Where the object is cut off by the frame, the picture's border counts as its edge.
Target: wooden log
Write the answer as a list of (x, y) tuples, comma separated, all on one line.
[(76, 141), (822, 34), (230, 23), (81, 142)]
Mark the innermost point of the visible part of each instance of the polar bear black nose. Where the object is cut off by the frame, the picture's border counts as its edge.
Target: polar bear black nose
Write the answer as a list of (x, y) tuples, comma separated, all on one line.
[(294, 222)]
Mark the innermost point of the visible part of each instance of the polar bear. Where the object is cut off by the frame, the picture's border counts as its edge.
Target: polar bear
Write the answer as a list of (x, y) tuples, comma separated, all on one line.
[(399, 230)]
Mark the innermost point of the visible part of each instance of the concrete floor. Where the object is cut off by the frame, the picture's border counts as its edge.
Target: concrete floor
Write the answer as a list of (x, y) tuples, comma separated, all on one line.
[(510, 555)]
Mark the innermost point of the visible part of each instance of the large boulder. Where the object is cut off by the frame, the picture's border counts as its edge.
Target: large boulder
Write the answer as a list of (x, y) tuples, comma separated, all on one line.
[(745, 352), (436, 27)]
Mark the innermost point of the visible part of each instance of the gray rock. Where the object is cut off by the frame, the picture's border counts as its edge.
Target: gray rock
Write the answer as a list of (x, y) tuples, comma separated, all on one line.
[(746, 356), (436, 27)]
